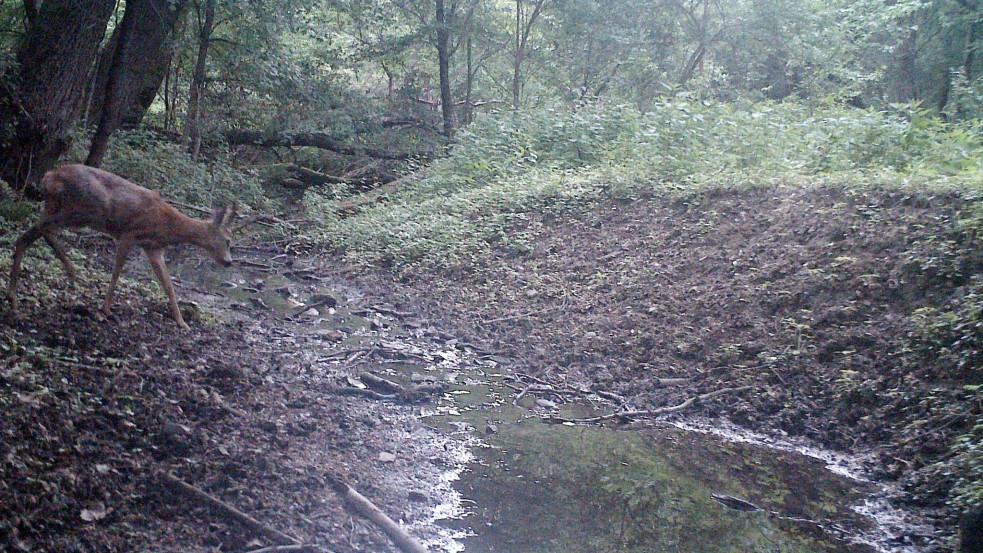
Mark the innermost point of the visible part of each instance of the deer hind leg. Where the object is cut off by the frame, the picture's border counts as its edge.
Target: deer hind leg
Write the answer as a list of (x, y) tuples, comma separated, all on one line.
[(156, 258), (49, 237), (122, 251), (20, 246)]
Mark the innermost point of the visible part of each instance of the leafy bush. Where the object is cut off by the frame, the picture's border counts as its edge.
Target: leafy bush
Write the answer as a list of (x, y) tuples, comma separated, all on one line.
[(968, 461), (166, 167)]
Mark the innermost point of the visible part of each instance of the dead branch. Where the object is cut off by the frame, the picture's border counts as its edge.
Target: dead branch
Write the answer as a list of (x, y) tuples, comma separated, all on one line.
[(364, 392), (318, 140), (342, 353), (359, 504), (209, 500), (627, 415), (254, 264)]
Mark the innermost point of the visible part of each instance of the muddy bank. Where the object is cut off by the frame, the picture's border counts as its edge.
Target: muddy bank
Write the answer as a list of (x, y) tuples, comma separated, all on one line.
[(810, 305), (812, 298)]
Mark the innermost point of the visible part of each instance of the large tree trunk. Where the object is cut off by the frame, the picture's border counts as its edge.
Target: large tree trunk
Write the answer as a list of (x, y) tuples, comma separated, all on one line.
[(907, 75), (145, 27), (150, 82), (38, 115), (443, 58)]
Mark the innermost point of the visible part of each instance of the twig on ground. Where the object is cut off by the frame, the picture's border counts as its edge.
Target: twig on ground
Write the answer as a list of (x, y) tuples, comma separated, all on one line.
[(381, 384), (342, 353), (649, 412), (296, 548), (371, 394), (228, 510), (254, 264), (359, 504), (521, 316)]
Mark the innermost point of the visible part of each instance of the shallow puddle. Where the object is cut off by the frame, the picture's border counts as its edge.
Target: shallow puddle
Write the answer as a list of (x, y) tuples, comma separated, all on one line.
[(537, 487)]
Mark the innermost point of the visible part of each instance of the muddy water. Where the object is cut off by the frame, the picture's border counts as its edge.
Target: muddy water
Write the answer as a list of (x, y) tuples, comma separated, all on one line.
[(522, 485), (538, 487)]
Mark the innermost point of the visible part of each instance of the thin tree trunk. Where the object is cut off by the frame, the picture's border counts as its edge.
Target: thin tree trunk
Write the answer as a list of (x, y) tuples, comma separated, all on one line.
[(443, 58), (192, 126), (469, 84), (523, 28), (517, 56)]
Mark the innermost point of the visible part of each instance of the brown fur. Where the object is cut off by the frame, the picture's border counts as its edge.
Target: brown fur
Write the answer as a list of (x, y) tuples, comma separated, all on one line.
[(81, 196)]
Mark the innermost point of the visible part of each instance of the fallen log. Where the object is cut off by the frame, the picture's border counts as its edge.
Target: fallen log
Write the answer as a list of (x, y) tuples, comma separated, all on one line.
[(320, 140)]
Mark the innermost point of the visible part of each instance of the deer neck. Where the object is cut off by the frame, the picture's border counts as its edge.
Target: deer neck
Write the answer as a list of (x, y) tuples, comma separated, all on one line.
[(181, 229)]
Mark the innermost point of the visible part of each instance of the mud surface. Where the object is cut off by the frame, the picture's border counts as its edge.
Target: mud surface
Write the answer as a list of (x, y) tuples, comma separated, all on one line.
[(252, 406), (807, 297), (812, 298)]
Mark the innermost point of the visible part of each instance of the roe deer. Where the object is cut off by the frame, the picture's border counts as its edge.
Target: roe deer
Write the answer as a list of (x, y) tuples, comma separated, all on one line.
[(82, 196)]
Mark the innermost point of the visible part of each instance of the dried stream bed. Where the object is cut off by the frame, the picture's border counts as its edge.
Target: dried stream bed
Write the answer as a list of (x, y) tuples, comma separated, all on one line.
[(512, 481)]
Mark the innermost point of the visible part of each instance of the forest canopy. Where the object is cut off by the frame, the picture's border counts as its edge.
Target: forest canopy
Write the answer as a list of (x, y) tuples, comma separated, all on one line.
[(370, 81)]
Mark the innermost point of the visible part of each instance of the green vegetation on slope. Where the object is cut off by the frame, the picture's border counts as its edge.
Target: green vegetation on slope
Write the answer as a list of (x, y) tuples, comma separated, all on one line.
[(515, 163)]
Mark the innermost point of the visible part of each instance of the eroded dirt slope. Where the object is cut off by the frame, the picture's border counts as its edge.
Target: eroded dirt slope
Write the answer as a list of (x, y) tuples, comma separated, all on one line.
[(816, 299)]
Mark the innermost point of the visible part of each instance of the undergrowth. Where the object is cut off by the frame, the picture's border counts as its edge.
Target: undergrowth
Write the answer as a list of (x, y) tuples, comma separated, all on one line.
[(512, 163), (166, 167)]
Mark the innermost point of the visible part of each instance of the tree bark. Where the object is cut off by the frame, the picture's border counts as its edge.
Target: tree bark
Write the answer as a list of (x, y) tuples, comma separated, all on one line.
[(145, 27), (907, 87), (523, 28), (38, 114), (443, 59)]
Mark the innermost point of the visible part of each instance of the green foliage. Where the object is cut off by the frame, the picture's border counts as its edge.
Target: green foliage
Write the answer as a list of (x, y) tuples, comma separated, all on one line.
[(506, 165), (954, 338), (968, 450), (966, 98), (13, 207), (166, 167)]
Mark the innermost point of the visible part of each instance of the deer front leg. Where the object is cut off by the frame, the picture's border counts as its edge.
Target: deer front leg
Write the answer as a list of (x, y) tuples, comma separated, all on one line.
[(122, 251), (156, 258)]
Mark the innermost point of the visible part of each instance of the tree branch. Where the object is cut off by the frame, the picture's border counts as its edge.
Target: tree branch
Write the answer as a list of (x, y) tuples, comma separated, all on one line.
[(242, 137)]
